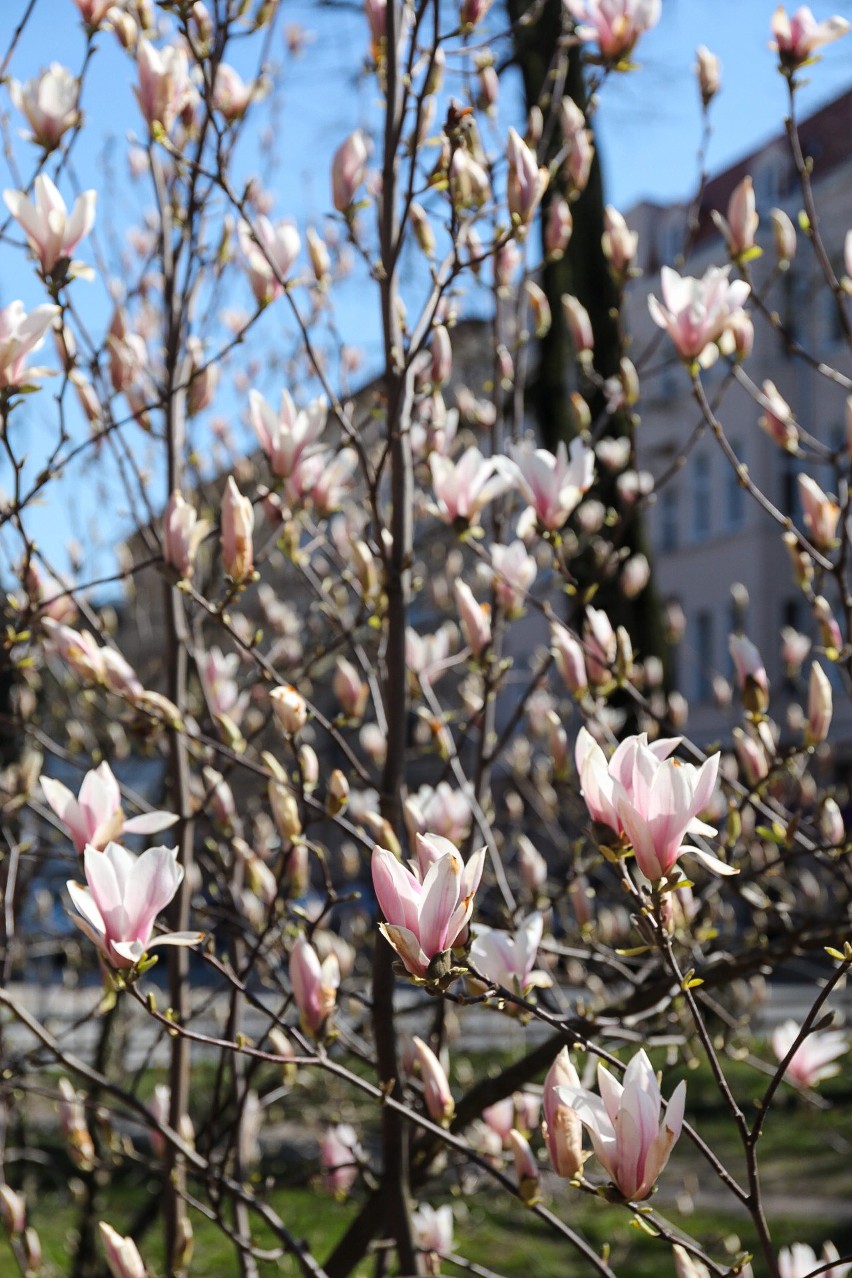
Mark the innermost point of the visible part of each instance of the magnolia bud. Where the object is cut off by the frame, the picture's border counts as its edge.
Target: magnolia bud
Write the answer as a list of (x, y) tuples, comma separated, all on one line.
[(32, 1254), (236, 533), (580, 328), (422, 228), (442, 355), (122, 1254), (831, 824), (290, 708), (338, 793), (436, 1088), (13, 1211), (751, 756), (285, 811), (349, 688), (819, 706), (539, 308), (309, 767), (557, 229), (784, 233), (708, 70), (348, 169), (526, 1168)]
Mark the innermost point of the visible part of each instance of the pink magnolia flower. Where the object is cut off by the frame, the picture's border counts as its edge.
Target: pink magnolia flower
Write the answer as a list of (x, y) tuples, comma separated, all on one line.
[(821, 514), (561, 1126), (553, 484), (600, 644), (697, 313), (569, 657), (348, 170), (433, 1228), (236, 533), (800, 1261), (474, 617), (231, 95), (426, 916), (615, 24), (340, 1156), (423, 653), (217, 672), (19, 334), (578, 143), (322, 479), (81, 653), (125, 893), (813, 1059), (799, 36), (95, 816), (164, 84), (512, 572), (291, 434), (377, 18), (314, 985), (270, 250), (51, 233), (820, 705), (442, 810), (630, 1137), (183, 533), (777, 419), (436, 1088), (507, 958), (470, 186), (619, 242), (751, 674), (122, 1254), (464, 488), (526, 181), (49, 101), (93, 12), (350, 689)]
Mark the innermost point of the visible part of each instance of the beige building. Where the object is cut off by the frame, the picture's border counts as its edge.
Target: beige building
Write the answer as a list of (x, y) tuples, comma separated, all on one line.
[(707, 532)]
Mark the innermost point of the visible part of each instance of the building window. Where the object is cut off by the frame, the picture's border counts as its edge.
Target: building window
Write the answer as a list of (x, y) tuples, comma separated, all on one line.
[(703, 656), (668, 519), (701, 497), (735, 494)]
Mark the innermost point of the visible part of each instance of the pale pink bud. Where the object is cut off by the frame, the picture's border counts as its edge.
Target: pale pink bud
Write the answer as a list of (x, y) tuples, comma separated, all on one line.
[(569, 657), (422, 228), (600, 645), (532, 865), (183, 533), (580, 328), (820, 512), (539, 308), (433, 1232), (687, 1266), (525, 181), (442, 355), (831, 823), (270, 250), (338, 792), (561, 1127), (122, 1254), (475, 618), (231, 95), (635, 575), (348, 169), (777, 419), (557, 229), (740, 226), (751, 673), (619, 242), (203, 377), (819, 706), (578, 144), (377, 15), (290, 708), (784, 233), (751, 756), (709, 72), (32, 1253), (340, 1155), (829, 629), (350, 689), (93, 12), (489, 88), (526, 1168), (236, 533), (318, 256), (49, 101), (13, 1211), (436, 1088), (469, 183)]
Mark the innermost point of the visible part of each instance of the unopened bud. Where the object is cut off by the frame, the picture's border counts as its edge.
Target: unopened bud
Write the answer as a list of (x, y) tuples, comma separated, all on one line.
[(285, 811), (539, 308), (708, 69), (784, 233), (831, 824), (579, 327), (338, 793), (526, 1168), (290, 708), (13, 1211), (422, 228), (820, 706)]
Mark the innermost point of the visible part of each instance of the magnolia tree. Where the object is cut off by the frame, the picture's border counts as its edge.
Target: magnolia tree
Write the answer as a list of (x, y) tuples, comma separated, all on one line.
[(416, 788)]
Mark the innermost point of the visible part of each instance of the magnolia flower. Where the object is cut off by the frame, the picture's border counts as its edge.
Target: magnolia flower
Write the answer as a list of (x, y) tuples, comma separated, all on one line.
[(442, 810), (183, 533), (580, 328), (122, 1254), (578, 144), (433, 1229), (559, 224), (569, 657), (619, 242), (777, 419), (512, 572), (231, 95), (236, 532), (630, 1138), (615, 24), (751, 674), (469, 183), (800, 1261), (697, 313), (740, 226), (49, 101), (125, 893), (474, 617), (289, 708), (709, 72), (436, 1088), (464, 487), (820, 513), (19, 334), (812, 1060), (291, 434), (526, 182), (561, 1125), (164, 84), (51, 233), (340, 1155), (348, 170), (80, 651), (600, 644), (426, 917), (95, 816), (314, 985), (270, 249), (797, 38), (72, 1119), (553, 484), (217, 671), (507, 958), (322, 479)]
